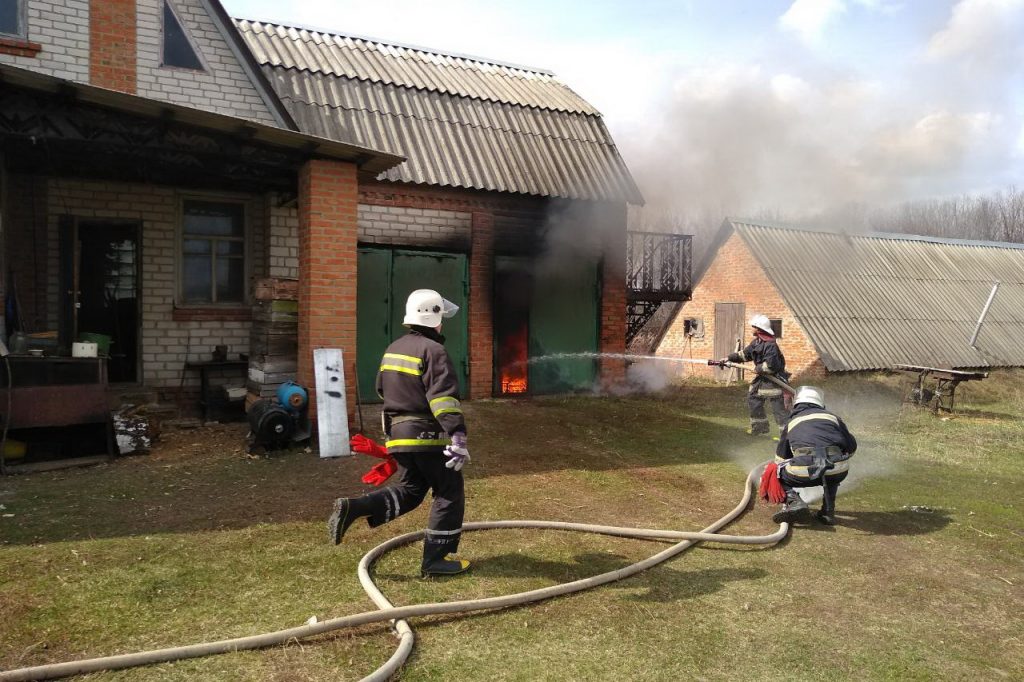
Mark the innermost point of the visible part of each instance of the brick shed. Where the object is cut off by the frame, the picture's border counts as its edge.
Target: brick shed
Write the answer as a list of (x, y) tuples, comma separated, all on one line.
[(846, 302)]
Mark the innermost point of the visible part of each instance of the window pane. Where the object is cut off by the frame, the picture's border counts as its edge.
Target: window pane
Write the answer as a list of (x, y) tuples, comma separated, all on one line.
[(178, 51), (197, 246), (214, 219), (230, 279), (196, 286), (9, 17), (225, 248)]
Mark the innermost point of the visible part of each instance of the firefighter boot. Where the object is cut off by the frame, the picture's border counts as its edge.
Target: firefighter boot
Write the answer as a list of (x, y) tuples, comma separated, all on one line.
[(346, 510), (794, 508), (437, 561), (827, 513)]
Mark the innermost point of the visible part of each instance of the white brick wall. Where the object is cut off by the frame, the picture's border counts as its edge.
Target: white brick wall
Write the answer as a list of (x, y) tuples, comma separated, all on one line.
[(414, 226), (223, 87), (283, 241), (61, 27), (164, 343)]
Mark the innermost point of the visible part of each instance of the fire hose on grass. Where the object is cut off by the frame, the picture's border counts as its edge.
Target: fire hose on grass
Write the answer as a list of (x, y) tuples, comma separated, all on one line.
[(399, 615)]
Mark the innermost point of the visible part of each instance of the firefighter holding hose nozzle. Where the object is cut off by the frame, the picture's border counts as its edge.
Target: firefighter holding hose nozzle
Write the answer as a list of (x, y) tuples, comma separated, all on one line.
[(768, 361), (426, 435), (814, 449)]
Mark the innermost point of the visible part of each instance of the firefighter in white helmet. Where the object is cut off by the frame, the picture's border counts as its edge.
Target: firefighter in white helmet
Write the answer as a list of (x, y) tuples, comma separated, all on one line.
[(814, 449), (426, 434), (767, 357)]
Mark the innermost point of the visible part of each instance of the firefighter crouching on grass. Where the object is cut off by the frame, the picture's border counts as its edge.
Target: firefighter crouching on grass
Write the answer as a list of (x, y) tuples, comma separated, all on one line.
[(421, 413), (767, 357), (814, 449)]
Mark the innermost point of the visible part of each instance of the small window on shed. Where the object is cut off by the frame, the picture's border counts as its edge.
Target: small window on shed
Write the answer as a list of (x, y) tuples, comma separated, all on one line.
[(777, 328), (178, 48), (12, 19)]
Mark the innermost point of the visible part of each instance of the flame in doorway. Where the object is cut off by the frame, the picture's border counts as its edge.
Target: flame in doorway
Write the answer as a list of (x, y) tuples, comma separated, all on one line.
[(512, 358)]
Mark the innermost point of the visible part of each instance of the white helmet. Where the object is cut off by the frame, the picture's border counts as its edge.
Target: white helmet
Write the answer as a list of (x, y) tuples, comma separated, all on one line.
[(810, 395), (426, 307), (763, 323)]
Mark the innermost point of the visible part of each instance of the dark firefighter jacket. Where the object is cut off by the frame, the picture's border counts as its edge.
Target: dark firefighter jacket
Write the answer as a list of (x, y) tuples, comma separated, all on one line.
[(766, 356), (421, 393), (815, 442)]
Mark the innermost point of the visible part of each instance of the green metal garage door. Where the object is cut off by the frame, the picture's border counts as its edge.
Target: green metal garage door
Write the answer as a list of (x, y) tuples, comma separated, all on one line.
[(386, 278), (564, 319)]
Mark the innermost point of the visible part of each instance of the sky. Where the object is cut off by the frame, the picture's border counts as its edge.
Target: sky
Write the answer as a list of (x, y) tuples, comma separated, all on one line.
[(753, 105)]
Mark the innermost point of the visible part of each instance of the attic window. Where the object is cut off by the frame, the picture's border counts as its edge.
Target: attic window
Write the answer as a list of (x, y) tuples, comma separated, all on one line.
[(178, 50), (777, 328), (12, 18)]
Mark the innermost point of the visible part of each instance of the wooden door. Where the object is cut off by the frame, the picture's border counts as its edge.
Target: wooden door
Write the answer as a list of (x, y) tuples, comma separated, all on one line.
[(729, 326)]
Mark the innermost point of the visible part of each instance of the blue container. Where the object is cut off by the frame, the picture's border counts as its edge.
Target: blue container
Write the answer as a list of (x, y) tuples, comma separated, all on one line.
[(292, 396)]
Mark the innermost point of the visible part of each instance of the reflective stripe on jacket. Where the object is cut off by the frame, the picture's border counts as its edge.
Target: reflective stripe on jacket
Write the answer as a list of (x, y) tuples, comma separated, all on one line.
[(420, 388), (811, 436)]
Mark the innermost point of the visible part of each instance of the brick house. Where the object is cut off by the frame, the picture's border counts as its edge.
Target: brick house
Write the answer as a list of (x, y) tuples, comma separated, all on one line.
[(847, 302), (212, 163)]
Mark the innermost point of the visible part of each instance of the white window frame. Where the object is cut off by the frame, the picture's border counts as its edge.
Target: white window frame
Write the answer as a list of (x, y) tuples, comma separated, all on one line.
[(188, 36), (247, 204), (22, 33)]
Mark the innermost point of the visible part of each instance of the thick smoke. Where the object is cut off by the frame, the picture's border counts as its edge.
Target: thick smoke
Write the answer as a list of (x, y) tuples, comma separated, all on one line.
[(796, 136)]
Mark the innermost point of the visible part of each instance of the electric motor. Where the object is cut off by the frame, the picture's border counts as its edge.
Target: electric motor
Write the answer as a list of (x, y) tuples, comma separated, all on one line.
[(272, 426)]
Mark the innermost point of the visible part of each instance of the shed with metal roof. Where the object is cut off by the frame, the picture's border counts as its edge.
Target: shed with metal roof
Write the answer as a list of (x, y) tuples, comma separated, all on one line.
[(858, 301), (462, 122)]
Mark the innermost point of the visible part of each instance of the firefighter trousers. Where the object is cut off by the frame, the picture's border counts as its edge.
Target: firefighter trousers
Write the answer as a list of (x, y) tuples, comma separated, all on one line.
[(829, 486), (420, 473), (762, 392)]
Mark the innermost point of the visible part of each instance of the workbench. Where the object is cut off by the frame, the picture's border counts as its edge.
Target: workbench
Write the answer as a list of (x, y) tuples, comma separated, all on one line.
[(204, 368)]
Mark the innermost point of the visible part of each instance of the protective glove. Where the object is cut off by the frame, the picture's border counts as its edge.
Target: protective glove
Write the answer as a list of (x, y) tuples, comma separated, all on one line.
[(380, 472), (456, 452)]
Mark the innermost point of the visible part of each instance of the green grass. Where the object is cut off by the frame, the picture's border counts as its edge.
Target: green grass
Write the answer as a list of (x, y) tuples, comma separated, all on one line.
[(198, 542)]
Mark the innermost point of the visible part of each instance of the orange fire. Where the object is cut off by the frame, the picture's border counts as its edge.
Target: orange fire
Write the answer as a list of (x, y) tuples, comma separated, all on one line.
[(512, 357)]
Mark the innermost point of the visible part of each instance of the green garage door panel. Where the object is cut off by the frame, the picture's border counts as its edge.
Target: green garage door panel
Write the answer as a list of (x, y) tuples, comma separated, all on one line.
[(445, 273), (373, 317), (564, 319), (386, 278)]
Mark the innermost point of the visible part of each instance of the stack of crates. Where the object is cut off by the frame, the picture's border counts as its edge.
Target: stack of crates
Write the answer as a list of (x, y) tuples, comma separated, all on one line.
[(273, 345)]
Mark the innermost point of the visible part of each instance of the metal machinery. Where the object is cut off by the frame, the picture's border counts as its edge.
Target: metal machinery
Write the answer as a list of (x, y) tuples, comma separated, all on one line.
[(940, 394), (275, 425)]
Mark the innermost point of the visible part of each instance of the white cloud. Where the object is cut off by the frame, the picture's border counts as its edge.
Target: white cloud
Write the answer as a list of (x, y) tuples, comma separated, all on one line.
[(977, 27), (808, 19)]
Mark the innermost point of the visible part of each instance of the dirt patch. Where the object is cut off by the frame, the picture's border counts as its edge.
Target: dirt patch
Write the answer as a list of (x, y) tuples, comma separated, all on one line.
[(192, 479)]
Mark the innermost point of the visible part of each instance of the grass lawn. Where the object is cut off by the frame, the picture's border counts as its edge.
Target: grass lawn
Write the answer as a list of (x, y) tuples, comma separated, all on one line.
[(922, 579)]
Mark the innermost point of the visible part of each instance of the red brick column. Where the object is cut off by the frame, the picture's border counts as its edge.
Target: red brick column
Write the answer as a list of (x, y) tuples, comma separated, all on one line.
[(328, 233), (481, 300), (613, 293), (112, 44)]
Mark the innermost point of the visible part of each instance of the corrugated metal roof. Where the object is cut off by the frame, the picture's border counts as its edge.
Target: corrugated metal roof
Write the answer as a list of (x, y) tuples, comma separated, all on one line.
[(874, 301), (380, 62), (523, 140)]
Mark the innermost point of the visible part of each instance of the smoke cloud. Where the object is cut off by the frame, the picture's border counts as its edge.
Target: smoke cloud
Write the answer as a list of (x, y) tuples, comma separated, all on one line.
[(797, 136)]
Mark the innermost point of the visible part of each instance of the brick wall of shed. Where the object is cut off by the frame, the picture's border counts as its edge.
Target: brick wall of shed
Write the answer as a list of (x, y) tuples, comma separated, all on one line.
[(735, 276), (59, 33), (165, 342)]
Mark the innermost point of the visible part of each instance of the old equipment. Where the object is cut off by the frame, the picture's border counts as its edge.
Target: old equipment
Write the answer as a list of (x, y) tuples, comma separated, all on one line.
[(275, 423), (940, 394)]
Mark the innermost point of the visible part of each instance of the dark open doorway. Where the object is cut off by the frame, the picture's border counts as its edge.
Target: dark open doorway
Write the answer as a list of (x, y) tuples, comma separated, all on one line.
[(100, 276)]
